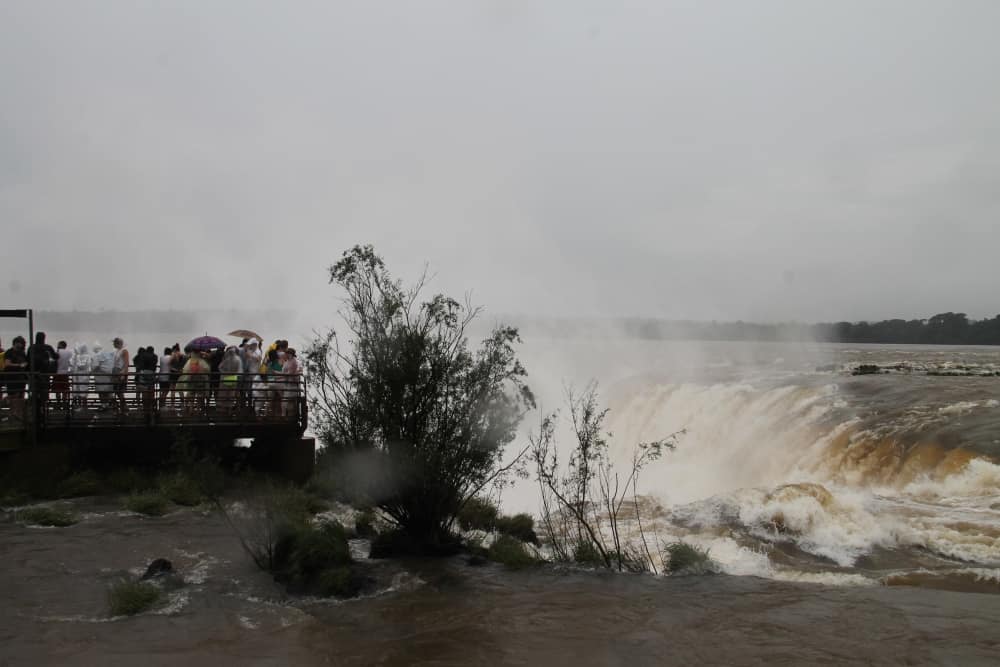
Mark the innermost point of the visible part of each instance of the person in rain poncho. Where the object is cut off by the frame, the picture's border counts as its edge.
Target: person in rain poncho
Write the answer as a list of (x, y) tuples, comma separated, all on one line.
[(103, 367), (230, 370), (194, 382), (81, 366), (291, 374)]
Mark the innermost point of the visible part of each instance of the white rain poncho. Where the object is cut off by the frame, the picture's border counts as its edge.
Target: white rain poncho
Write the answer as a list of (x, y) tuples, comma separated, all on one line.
[(83, 360), (103, 366), (81, 366)]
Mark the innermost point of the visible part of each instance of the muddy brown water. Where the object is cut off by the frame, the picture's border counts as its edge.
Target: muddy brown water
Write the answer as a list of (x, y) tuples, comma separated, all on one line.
[(55, 582)]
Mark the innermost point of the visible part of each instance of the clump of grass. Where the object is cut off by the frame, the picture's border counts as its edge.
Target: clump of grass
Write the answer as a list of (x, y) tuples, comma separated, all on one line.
[(129, 480), (364, 524), (688, 558), (83, 483), (14, 498), (478, 514), (511, 552), (339, 582), (314, 559), (150, 503), (47, 516), (129, 598), (585, 553), (315, 548), (181, 489)]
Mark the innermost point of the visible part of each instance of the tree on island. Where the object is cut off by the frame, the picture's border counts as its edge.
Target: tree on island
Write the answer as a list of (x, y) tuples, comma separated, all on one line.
[(418, 419)]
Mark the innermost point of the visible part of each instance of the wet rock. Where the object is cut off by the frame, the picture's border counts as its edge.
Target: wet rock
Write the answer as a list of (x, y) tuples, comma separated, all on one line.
[(158, 568), (866, 369)]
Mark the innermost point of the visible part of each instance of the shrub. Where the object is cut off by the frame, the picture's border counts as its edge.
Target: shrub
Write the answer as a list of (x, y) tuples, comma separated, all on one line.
[(410, 357), (266, 522), (150, 503), (395, 543), (209, 478), (587, 479), (364, 524), (688, 558), (83, 483), (14, 498), (478, 514), (511, 552), (317, 548), (315, 559), (585, 553), (181, 489), (339, 582), (129, 480), (47, 516), (130, 598), (322, 484), (521, 526)]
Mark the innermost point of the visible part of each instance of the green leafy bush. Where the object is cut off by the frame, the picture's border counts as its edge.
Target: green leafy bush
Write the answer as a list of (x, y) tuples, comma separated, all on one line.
[(478, 514), (129, 598), (181, 489), (150, 503), (521, 526), (47, 516), (411, 356), (315, 559), (316, 548)]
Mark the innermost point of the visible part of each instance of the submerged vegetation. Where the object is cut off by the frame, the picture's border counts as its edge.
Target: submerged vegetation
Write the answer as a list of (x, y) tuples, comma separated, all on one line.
[(687, 558), (150, 503), (46, 516), (128, 598), (512, 552), (277, 528), (181, 489)]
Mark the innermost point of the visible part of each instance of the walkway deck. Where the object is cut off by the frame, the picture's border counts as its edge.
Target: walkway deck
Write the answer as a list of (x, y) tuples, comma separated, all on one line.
[(92, 409)]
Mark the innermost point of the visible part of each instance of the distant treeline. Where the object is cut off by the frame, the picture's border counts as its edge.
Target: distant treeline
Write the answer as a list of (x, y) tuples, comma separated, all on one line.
[(186, 322), (942, 329)]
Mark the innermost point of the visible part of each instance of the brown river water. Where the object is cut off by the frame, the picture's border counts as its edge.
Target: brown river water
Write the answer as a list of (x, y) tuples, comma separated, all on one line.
[(854, 519)]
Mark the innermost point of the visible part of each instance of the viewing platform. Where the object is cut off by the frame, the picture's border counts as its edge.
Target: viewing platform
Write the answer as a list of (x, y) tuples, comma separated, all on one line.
[(136, 421), (86, 407)]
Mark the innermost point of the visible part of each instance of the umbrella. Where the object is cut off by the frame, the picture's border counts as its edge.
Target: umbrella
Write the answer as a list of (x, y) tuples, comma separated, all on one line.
[(246, 333), (204, 343)]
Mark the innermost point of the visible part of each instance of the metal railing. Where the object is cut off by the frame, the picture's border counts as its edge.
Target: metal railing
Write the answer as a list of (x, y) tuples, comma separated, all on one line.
[(50, 400)]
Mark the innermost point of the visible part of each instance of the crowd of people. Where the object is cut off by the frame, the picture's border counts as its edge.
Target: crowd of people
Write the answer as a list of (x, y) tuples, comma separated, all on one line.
[(229, 379)]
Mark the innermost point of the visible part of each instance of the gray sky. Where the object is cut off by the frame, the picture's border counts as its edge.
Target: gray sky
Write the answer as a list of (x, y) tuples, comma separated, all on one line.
[(709, 160)]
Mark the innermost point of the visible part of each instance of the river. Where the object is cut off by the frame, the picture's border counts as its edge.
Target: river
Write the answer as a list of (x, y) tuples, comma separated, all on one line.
[(853, 518)]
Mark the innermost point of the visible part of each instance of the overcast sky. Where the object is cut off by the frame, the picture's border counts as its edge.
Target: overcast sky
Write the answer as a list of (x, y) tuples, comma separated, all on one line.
[(711, 160)]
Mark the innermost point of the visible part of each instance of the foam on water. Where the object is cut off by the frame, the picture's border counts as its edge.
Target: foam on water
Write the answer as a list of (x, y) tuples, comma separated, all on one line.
[(789, 464)]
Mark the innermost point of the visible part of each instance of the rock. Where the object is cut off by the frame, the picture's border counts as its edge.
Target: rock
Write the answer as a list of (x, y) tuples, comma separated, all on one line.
[(158, 568)]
